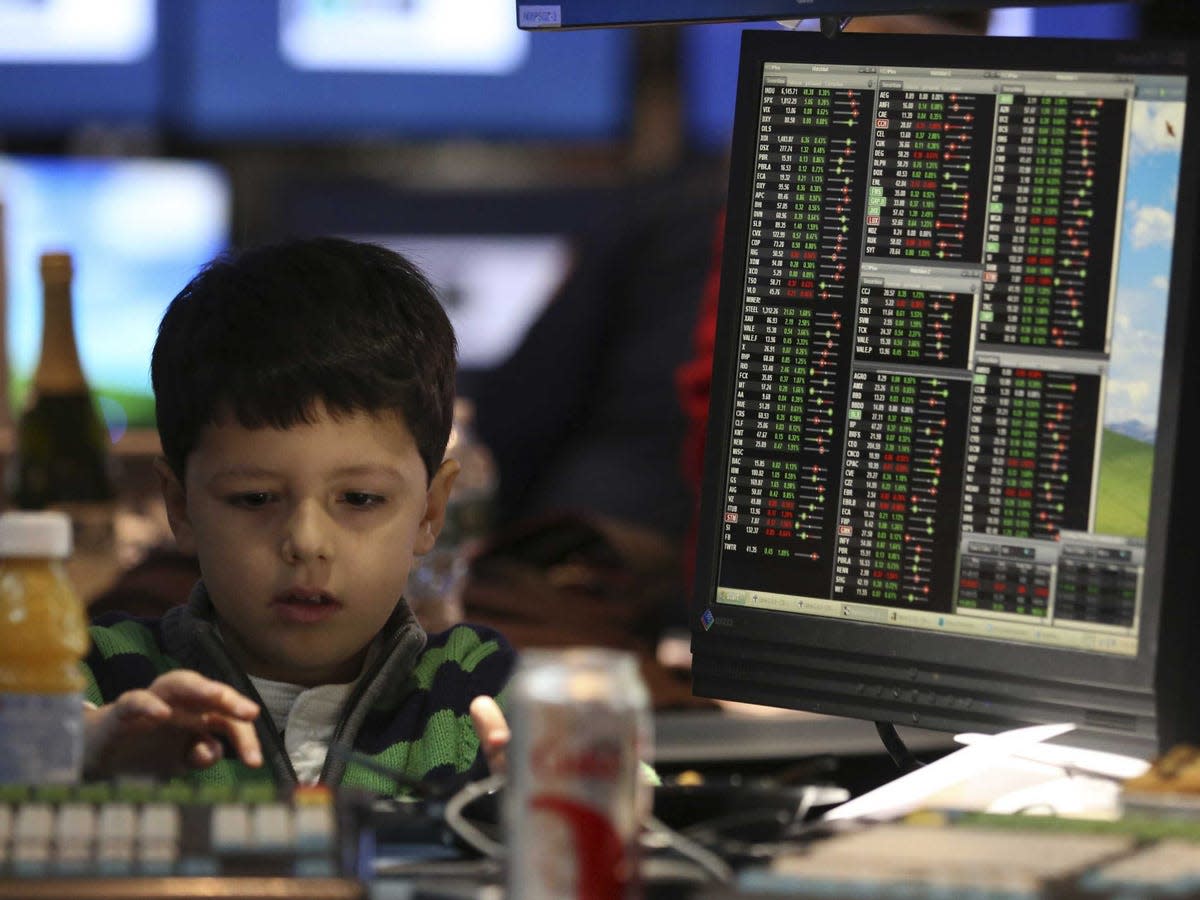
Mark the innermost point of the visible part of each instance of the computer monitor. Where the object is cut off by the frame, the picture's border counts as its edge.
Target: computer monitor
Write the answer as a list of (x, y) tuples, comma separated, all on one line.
[(949, 472), (138, 229), (602, 13)]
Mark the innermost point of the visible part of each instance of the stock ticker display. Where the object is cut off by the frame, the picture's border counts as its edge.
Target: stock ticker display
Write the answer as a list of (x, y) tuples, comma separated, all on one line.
[(930, 418)]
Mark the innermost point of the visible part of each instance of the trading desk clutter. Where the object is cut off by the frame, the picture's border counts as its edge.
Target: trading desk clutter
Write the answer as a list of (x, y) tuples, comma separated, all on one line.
[(708, 837)]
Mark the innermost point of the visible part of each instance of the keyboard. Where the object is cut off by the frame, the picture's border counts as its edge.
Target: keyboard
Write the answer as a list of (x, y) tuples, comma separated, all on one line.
[(152, 839)]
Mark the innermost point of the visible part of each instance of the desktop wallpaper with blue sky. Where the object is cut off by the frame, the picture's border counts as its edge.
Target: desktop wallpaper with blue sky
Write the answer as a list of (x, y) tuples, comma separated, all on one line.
[(1143, 276), (1134, 385)]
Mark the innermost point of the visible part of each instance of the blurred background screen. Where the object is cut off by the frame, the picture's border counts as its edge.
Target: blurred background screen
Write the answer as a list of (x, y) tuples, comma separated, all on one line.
[(138, 230), (306, 69), (417, 68), (66, 63), (497, 258)]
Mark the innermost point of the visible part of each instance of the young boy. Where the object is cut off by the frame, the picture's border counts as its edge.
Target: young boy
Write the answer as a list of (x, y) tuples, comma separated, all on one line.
[(304, 395)]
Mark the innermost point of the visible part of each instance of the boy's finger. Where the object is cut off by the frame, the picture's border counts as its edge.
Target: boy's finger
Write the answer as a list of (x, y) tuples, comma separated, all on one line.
[(492, 729), (488, 718), (204, 753), (245, 740), (133, 704), (184, 687), (242, 735), (239, 733)]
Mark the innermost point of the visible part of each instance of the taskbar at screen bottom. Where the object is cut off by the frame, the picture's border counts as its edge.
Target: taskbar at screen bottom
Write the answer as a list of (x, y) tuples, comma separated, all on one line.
[(995, 626)]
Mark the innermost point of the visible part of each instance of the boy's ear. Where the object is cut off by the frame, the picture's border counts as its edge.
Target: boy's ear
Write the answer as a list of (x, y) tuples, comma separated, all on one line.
[(436, 499), (175, 498)]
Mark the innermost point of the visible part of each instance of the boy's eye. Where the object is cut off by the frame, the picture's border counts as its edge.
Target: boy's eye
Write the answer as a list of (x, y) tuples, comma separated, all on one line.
[(362, 499), (251, 499)]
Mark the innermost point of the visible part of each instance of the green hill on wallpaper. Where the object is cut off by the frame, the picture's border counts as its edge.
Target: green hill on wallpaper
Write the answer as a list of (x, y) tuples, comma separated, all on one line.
[(1123, 505), (123, 408)]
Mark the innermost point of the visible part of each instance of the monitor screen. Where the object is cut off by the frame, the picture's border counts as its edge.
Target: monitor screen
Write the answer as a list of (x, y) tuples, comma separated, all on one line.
[(309, 70), (138, 230), (951, 366)]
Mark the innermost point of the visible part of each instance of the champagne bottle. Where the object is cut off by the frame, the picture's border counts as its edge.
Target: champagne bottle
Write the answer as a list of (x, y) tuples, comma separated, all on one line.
[(60, 458)]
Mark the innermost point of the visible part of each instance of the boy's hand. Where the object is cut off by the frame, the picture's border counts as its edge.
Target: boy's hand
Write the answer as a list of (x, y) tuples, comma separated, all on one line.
[(493, 732), (169, 727)]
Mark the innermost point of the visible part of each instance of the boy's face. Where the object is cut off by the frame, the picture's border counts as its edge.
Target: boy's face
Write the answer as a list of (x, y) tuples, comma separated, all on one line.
[(305, 536)]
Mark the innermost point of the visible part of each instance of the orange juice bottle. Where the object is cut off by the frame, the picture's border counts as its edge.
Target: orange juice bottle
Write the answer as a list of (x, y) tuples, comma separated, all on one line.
[(43, 636)]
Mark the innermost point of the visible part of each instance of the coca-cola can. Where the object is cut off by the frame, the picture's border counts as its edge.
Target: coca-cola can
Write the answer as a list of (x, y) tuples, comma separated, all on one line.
[(576, 796)]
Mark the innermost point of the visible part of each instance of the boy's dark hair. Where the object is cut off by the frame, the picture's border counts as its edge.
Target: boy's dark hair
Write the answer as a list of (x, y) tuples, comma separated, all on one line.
[(265, 334)]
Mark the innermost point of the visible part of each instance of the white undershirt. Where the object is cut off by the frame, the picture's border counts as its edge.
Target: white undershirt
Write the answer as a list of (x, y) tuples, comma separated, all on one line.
[(306, 717)]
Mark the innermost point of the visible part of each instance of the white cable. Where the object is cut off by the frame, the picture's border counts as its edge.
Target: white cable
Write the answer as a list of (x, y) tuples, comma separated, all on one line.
[(656, 831), (462, 828), (689, 849)]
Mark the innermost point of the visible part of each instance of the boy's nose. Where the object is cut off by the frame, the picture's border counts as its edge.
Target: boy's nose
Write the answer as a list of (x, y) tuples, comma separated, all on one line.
[(306, 536)]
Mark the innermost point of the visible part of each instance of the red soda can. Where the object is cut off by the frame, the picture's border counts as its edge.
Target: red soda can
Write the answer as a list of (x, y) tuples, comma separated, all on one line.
[(576, 796)]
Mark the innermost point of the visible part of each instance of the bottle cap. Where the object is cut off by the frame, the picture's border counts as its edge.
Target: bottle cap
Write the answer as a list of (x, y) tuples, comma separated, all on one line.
[(35, 533), (56, 265)]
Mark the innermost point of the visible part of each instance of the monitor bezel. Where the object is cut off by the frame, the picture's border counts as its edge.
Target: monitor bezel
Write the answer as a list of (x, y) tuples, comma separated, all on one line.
[(907, 676)]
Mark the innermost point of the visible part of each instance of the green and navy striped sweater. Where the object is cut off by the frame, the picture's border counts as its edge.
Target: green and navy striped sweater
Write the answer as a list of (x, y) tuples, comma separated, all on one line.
[(407, 714)]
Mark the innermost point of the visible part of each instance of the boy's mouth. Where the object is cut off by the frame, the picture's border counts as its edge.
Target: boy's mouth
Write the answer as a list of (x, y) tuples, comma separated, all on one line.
[(302, 606)]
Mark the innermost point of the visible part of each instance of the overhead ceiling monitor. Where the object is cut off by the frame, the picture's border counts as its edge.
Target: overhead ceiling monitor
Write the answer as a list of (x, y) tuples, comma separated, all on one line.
[(599, 13)]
